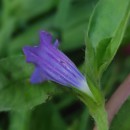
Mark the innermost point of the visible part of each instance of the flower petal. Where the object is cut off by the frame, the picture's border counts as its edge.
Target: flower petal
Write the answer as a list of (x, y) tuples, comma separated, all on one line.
[(30, 53), (37, 76), (56, 43), (45, 38), (52, 64)]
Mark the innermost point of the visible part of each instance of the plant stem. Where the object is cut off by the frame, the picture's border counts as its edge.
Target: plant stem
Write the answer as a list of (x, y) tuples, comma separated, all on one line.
[(97, 111), (118, 99), (100, 117)]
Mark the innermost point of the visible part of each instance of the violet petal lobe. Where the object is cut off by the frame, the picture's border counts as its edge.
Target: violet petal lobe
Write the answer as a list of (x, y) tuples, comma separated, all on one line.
[(56, 43), (37, 76), (51, 64), (45, 38)]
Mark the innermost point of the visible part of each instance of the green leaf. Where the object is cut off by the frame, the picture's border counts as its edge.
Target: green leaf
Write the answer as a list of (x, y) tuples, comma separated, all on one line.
[(105, 33), (84, 121), (76, 16), (73, 38), (16, 92), (46, 117), (23, 10), (32, 8), (74, 23), (19, 120), (126, 39), (62, 12)]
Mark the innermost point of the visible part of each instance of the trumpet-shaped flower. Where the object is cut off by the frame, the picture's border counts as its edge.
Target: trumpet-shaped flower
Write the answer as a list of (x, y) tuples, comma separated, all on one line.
[(51, 64)]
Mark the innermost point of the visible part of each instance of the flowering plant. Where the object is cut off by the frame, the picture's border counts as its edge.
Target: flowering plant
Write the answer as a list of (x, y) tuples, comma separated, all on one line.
[(74, 73)]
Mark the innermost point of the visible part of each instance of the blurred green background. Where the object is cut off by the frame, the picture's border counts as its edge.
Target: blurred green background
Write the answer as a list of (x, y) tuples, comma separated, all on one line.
[(23, 105)]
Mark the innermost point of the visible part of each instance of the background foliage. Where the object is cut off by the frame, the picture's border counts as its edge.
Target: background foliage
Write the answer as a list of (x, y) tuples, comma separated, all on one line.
[(22, 105)]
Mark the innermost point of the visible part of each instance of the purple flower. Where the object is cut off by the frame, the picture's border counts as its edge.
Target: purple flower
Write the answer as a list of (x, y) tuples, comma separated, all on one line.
[(52, 64)]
